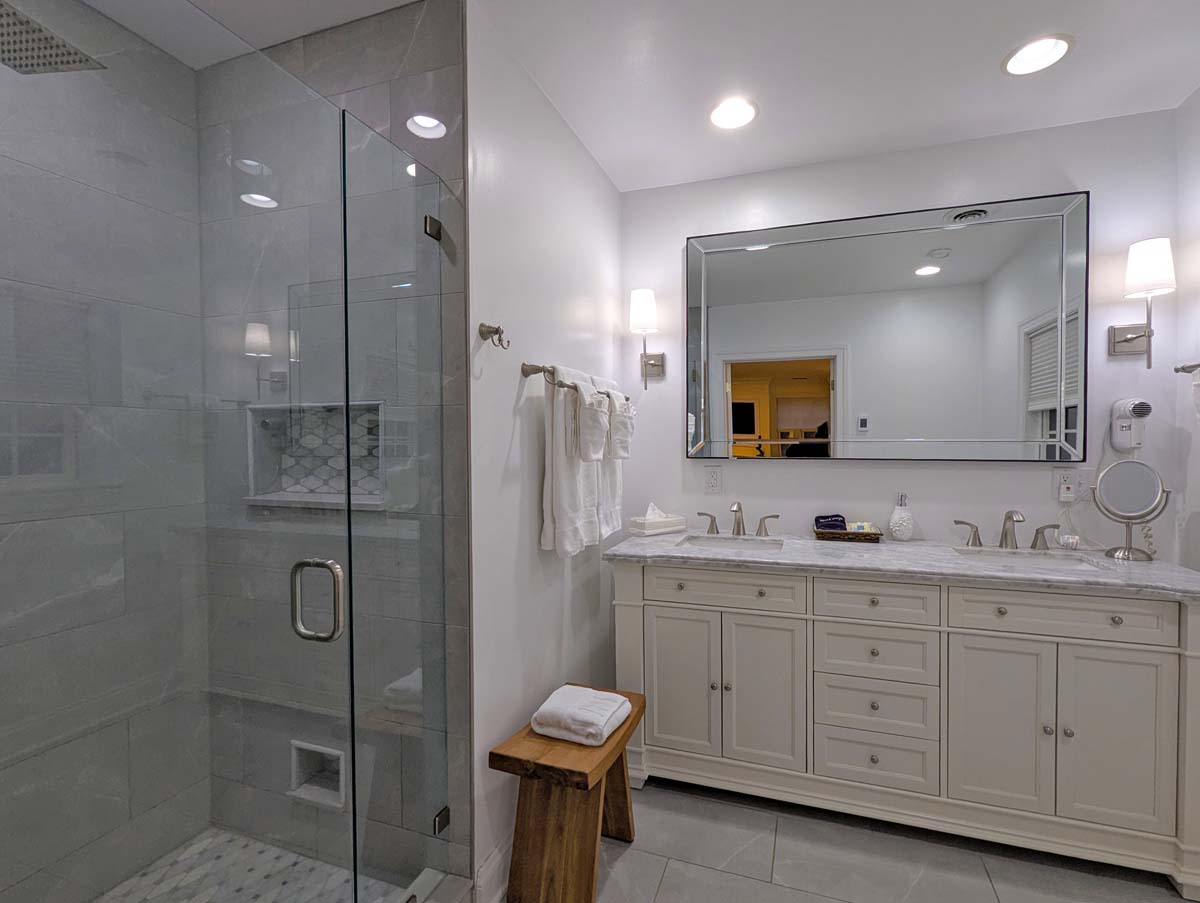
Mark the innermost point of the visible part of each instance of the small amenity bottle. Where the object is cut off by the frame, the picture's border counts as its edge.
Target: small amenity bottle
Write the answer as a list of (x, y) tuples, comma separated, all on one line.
[(900, 525)]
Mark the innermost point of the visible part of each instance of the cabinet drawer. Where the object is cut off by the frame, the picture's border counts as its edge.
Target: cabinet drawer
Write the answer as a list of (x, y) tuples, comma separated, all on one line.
[(733, 589), (887, 706), (905, 603), (891, 653), (1056, 614), (901, 762)]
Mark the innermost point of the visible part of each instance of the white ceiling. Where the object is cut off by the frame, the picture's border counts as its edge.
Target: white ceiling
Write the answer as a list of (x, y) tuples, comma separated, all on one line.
[(834, 78), (868, 264), (202, 32)]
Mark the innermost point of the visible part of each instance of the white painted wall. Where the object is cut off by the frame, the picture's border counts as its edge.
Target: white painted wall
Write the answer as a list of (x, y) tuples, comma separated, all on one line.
[(1129, 165), (544, 264), (1187, 272), (909, 358)]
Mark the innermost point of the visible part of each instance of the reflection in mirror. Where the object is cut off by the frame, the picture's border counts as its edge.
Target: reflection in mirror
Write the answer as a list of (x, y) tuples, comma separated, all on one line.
[(942, 334)]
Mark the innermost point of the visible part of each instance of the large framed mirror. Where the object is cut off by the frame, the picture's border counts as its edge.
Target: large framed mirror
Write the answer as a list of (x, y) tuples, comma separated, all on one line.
[(956, 333)]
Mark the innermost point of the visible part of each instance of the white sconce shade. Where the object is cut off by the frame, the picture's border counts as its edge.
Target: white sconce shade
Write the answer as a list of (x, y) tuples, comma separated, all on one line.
[(258, 340), (1150, 269), (643, 312)]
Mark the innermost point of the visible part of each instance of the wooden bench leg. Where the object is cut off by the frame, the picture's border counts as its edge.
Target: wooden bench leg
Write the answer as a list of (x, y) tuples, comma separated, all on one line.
[(618, 805), (556, 843)]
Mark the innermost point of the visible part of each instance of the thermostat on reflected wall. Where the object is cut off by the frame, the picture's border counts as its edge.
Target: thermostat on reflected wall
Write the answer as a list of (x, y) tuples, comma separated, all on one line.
[(863, 423)]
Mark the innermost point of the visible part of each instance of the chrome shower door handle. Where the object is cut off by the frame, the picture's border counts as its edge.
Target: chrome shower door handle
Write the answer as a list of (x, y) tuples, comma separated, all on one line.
[(339, 600)]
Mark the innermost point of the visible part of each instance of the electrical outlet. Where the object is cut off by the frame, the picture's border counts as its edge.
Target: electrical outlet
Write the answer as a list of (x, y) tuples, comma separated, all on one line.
[(714, 480), (1065, 486)]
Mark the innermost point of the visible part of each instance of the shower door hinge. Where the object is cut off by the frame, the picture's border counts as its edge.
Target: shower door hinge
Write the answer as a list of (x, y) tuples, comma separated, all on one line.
[(441, 821), (433, 227)]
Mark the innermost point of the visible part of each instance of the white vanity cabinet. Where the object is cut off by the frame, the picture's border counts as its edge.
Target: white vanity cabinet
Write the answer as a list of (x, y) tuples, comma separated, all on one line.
[(1047, 716)]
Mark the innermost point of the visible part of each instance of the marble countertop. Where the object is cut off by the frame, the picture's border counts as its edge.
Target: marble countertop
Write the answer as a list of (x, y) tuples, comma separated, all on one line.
[(922, 561)]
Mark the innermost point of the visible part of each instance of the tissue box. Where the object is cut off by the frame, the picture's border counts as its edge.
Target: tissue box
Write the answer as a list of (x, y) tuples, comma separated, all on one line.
[(652, 526)]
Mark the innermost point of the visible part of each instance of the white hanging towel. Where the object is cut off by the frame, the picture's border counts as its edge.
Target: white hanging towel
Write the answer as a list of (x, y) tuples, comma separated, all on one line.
[(609, 515), (620, 425), (591, 423), (581, 715), (571, 486)]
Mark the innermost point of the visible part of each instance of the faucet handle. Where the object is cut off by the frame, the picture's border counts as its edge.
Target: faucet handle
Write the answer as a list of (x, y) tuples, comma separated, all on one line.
[(973, 540), (1039, 537), (762, 524), (712, 522)]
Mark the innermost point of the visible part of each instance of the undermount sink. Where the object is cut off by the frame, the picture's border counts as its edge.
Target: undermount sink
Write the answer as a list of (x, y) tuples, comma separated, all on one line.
[(734, 543), (1036, 559)]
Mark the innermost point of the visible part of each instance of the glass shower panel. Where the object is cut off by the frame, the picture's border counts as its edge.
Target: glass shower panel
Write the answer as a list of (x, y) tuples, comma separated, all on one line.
[(394, 372)]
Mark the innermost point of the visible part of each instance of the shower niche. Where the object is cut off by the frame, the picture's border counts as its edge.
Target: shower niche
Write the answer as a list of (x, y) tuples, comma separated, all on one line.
[(301, 456)]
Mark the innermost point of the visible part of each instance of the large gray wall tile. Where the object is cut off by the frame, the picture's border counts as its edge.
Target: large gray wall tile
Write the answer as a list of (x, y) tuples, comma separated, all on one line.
[(168, 750), (437, 93), (268, 816), (65, 797), (165, 556), (362, 52), (162, 358), (243, 87), (155, 158), (249, 262), (56, 574)]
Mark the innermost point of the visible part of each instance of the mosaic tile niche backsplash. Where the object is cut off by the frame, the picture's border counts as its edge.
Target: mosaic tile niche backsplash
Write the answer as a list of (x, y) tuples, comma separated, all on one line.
[(304, 451)]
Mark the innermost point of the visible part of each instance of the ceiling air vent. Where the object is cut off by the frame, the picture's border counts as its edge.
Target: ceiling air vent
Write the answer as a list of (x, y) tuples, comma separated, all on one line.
[(974, 215)]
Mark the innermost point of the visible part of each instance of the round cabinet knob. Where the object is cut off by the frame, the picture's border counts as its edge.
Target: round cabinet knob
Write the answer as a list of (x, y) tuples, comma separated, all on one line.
[(874, 706), (681, 586), (874, 653), (714, 686), (1047, 729), (1002, 611), (728, 687), (873, 601), (1068, 733), (874, 759), (762, 593), (1117, 620)]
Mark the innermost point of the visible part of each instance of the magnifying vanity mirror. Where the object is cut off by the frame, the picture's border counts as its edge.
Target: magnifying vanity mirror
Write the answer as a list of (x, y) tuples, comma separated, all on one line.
[(956, 333), (1130, 492)]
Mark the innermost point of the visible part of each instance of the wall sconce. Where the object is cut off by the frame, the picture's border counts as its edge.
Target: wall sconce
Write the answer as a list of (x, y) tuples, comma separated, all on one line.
[(643, 320), (258, 346), (1149, 271)]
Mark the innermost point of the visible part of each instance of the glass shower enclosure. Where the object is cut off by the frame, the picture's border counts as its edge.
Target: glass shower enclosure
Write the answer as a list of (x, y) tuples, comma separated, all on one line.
[(222, 484)]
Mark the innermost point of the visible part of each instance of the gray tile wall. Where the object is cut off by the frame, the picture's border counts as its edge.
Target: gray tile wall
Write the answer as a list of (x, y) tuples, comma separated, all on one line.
[(103, 720), (407, 323)]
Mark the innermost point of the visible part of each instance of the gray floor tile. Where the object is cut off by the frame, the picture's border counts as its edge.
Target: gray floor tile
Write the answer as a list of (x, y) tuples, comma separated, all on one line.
[(1025, 879), (704, 832), (854, 863), (686, 883), (628, 875)]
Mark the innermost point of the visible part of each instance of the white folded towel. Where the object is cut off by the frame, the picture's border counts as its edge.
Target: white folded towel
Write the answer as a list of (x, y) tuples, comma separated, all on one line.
[(620, 425), (404, 695), (571, 486), (581, 715), (591, 423), (609, 496)]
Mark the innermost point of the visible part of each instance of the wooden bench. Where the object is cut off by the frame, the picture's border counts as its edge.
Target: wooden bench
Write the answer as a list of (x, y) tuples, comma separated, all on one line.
[(569, 795)]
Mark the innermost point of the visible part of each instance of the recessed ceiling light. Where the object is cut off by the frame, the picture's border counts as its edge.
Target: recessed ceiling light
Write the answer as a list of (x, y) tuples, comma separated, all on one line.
[(259, 200), (733, 113), (1038, 54), (411, 169), (939, 253), (757, 247), (927, 271), (424, 126), (252, 167)]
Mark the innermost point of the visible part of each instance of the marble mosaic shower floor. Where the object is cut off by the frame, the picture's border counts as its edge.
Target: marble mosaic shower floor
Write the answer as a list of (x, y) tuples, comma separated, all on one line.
[(222, 867)]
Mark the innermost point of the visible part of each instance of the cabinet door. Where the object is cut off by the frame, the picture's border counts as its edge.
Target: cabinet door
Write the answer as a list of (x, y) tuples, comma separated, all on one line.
[(1001, 722), (683, 675), (1117, 738), (763, 711)]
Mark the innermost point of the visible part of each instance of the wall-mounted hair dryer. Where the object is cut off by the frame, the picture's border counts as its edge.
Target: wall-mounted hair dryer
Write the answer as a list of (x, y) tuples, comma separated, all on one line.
[(1128, 428)]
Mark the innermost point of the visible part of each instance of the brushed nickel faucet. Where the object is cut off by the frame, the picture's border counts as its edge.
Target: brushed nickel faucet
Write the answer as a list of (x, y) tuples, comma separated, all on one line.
[(762, 524), (973, 540), (739, 522), (1008, 532), (1039, 537)]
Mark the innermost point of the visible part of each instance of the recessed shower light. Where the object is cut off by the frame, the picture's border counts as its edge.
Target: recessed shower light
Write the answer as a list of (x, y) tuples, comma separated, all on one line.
[(927, 271), (252, 167), (424, 126), (259, 200), (411, 169), (733, 113), (1038, 54), (756, 247), (939, 253)]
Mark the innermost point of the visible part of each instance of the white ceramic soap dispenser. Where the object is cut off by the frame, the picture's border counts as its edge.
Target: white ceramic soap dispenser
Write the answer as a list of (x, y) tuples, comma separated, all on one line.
[(900, 525)]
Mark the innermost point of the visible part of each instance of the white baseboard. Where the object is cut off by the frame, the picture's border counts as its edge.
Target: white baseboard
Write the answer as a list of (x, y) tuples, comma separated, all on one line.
[(491, 881)]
